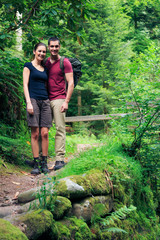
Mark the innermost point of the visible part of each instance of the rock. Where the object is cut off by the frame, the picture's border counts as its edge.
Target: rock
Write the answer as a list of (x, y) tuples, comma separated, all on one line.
[(80, 186), (98, 183), (59, 231), (100, 205), (10, 232), (62, 207), (58, 207), (35, 223), (6, 211), (71, 228), (74, 187), (27, 196)]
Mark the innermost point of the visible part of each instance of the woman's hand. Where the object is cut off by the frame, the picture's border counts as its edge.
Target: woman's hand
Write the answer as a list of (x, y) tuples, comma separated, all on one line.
[(30, 108)]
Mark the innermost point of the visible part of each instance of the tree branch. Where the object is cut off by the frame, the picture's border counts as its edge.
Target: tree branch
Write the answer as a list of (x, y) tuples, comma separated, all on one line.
[(31, 12), (25, 21)]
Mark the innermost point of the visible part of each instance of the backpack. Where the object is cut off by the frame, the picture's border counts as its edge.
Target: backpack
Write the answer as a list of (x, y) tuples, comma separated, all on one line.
[(76, 66)]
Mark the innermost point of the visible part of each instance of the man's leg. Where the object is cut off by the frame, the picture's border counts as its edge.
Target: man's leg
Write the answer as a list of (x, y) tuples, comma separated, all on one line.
[(60, 137)]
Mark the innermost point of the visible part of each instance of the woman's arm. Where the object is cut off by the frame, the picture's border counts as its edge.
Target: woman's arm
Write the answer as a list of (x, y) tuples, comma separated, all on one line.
[(26, 74)]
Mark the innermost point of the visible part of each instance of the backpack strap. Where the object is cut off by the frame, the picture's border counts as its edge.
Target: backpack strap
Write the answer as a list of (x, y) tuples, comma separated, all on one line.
[(62, 68), (62, 64)]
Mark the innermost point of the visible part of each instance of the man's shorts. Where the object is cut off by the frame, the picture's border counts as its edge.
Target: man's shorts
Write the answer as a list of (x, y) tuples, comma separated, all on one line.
[(42, 116)]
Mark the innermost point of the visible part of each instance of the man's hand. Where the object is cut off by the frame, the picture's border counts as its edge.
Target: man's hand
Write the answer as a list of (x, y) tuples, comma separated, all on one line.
[(64, 107), (30, 108)]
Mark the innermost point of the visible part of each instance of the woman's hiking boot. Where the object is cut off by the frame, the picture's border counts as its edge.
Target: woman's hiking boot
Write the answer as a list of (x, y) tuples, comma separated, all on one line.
[(59, 165), (44, 167), (36, 169), (29, 163)]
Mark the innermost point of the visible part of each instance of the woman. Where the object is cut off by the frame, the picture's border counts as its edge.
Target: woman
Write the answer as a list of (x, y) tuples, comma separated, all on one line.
[(39, 116)]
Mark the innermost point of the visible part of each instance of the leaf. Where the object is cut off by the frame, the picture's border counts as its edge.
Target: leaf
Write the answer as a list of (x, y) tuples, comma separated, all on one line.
[(15, 196), (16, 183), (25, 173), (116, 230)]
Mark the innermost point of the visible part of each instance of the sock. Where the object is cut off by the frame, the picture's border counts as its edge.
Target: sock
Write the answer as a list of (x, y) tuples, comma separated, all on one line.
[(44, 158)]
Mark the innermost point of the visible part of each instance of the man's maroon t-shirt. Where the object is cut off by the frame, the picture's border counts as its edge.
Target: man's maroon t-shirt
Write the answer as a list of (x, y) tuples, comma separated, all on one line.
[(56, 81)]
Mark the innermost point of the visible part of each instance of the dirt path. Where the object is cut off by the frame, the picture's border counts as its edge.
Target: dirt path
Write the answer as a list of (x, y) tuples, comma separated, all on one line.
[(14, 182)]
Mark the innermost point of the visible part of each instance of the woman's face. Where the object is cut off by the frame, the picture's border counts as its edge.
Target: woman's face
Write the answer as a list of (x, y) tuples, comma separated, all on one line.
[(40, 53)]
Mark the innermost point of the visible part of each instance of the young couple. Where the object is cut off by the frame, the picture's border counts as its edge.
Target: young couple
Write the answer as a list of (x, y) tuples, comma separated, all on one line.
[(46, 98)]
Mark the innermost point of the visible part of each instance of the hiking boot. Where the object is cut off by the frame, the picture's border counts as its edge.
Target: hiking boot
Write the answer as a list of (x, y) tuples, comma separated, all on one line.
[(36, 169), (44, 167), (59, 165), (29, 163)]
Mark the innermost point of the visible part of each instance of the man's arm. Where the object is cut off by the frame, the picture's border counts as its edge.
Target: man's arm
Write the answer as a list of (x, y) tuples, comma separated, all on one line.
[(69, 79)]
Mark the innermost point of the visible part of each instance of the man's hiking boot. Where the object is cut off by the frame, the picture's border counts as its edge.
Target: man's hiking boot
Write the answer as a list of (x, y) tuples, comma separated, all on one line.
[(37, 167), (59, 165), (44, 167)]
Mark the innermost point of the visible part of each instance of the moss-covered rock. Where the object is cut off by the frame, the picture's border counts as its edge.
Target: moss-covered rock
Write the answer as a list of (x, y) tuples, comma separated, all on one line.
[(79, 186), (10, 232), (78, 228), (61, 208), (86, 208), (59, 231), (35, 223), (73, 187), (136, 226), (70, 228), (98, 182)]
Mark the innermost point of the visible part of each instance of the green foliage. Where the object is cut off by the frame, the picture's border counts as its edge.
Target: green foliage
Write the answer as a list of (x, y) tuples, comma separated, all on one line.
[(11, 95), (144, 90), (61, 19), (46, 195), (14, 151)]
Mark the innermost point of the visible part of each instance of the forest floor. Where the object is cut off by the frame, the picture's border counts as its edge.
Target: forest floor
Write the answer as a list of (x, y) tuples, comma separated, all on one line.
[(15, 180)]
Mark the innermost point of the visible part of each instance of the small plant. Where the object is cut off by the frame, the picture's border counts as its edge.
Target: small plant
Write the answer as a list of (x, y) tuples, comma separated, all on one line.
[(120, 214), (46, 195)]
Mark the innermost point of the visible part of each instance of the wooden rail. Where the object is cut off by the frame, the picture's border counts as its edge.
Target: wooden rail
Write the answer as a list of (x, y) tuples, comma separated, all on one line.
[(96, 117)]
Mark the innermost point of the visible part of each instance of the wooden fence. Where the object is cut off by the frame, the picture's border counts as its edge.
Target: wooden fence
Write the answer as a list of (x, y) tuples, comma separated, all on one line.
[(96, 117)]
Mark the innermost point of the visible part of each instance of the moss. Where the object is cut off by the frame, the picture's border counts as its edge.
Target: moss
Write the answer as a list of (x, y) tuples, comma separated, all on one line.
[(59, 231), (136, 225), (119, 193), (94, 182), (80, 227), (70, 191), (37, 222), (62, 206), (98, 182), (10, 232)]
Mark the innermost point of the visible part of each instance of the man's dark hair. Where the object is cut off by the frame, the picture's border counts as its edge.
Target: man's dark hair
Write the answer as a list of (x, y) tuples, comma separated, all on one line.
[(53, 39)]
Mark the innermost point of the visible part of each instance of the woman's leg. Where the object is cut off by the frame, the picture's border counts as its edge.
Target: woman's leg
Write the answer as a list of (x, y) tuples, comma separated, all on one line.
[(35, 150), (45, 141), (34, 141)]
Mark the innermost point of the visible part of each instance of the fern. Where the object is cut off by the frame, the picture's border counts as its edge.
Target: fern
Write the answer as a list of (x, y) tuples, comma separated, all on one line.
[(120, 214), (115, 230)]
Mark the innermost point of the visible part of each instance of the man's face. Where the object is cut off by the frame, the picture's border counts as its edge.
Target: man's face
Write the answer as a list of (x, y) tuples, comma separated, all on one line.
[(54, 47)]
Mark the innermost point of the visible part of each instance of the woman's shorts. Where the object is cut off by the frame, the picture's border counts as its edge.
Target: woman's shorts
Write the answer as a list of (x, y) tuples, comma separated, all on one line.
[(42, 116)]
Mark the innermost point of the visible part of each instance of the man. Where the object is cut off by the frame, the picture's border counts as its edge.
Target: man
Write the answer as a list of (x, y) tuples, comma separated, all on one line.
[(58, 96)]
